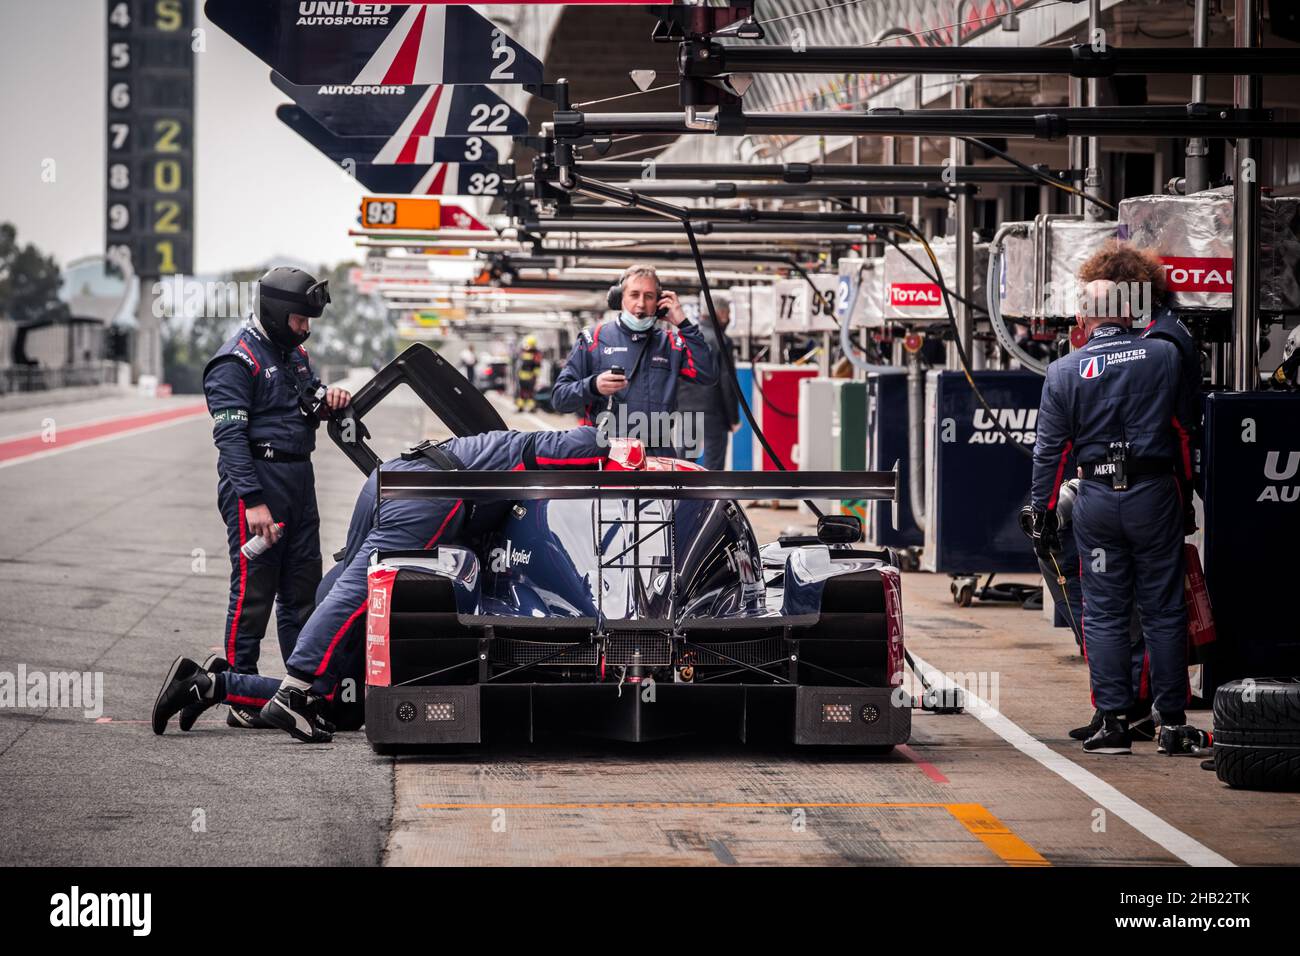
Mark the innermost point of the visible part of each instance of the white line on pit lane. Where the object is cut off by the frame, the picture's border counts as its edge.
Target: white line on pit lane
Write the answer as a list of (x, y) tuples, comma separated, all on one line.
[(1187, 849)]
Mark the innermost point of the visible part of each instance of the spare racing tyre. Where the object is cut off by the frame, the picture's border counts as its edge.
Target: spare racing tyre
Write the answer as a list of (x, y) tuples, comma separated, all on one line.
[(1257, 734)]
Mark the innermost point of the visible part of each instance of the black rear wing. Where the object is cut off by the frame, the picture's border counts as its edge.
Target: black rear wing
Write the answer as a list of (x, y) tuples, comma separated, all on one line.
[(671, 485), (458, 404)]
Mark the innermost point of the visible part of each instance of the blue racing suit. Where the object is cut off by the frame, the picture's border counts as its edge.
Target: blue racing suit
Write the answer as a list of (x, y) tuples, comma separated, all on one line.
[(671, 356), (264, 443), (1069, 596), (1122, 392), (328, 646), (1166, 325)]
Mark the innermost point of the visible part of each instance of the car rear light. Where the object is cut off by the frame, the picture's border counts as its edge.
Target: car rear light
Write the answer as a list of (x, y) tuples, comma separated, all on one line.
[(440, 710), (870, 713), (406, 712), (837, 713)]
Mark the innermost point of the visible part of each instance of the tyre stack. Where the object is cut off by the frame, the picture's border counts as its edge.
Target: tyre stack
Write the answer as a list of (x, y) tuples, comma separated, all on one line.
[(1257, 734)]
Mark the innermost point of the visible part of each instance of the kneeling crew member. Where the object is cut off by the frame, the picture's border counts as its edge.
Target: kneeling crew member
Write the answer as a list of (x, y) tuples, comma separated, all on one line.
[(335, 632), (262, 395), (1117, 405)]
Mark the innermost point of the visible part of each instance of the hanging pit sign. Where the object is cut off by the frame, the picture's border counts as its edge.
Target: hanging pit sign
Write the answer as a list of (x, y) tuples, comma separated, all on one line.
[(375, 44), (403, 111), (413, 149), (439, 179), (400, 212), (416, 213), (149, 195)]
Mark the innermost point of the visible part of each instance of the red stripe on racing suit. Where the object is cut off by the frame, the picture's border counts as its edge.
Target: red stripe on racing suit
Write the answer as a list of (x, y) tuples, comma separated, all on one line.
[(243, 584), (1060, 475)]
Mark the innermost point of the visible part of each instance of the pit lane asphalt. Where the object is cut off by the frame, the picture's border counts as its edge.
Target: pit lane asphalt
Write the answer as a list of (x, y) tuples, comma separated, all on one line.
[(113, 559), (98, 572)]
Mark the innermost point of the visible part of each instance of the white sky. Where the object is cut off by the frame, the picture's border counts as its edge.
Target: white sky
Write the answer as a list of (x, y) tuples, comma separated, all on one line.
[(262, 191)]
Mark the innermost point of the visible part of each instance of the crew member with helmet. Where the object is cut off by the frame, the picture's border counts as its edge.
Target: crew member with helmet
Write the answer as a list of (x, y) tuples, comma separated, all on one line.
[(530, 366), (266, 404)]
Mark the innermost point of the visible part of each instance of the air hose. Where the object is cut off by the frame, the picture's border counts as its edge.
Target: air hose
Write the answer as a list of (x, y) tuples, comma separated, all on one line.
[(846, 343), (937, 279), (735, 382), (992, 285)]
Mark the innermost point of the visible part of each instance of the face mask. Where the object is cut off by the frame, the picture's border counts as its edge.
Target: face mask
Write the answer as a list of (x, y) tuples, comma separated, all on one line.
[(636, 324)]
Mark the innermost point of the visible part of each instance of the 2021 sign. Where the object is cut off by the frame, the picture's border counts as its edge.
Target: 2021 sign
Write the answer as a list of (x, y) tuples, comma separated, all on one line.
[(149, 214)]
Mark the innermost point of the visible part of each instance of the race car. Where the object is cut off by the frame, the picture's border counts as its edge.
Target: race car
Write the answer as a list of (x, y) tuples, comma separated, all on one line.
[(631, 603)]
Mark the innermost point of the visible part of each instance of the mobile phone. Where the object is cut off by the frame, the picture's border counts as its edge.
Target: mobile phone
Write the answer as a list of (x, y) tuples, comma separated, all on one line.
[(617, 370)]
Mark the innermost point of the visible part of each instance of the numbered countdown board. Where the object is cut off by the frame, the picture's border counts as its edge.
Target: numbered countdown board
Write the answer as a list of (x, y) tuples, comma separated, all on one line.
[(150, 144)]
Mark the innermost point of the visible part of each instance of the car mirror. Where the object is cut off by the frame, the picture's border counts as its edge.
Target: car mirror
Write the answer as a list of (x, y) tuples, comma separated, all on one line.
[(839, 529)]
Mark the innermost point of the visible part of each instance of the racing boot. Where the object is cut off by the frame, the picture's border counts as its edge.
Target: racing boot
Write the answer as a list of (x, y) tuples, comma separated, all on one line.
[(299, 712), (1141, 725), (1088, 729), (1112, 737), (1182, 740), (186, 684), (246, 718), (213, 664)]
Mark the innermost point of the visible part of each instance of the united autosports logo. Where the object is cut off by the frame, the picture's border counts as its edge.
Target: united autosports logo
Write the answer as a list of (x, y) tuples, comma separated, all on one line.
[(992, 427), (361, 90), (342, 13), (1092, 367)]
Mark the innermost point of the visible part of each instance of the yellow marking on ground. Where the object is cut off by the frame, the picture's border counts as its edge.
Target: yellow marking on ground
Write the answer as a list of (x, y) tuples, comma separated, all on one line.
[(975, 817), (996, 835)]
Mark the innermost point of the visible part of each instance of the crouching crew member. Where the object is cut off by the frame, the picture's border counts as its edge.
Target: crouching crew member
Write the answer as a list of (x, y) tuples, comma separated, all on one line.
[(265, 406), (623, 374), (334, 636), (1118, 405)]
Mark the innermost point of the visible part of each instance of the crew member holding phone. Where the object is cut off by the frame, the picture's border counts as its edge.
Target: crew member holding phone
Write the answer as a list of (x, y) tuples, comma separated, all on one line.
[(623, 374)]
